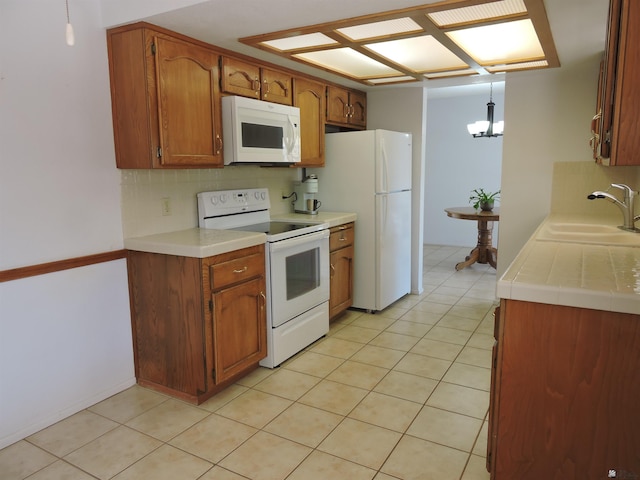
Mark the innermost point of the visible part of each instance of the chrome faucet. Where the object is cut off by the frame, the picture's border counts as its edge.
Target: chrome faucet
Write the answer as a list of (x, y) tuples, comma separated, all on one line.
[(626, 206)]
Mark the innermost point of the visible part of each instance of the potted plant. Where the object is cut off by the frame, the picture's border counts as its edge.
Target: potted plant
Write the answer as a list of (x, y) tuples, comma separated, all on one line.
[(483, 200)]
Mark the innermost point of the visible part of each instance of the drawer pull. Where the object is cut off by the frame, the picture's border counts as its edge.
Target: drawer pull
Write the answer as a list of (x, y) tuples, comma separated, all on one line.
[(242, 270)]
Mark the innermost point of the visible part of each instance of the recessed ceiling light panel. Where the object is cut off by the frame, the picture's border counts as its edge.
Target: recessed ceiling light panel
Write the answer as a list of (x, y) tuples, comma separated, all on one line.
[(420, 54), (518, 66), (300, 42), (500, 43), (380, 29), (348, 62), (476, 13)]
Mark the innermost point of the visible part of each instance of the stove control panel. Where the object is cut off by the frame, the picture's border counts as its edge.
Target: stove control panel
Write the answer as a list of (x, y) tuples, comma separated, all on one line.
[(229, 202)]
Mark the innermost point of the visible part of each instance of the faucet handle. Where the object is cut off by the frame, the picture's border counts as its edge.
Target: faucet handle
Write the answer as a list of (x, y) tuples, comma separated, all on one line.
[(629, 192)]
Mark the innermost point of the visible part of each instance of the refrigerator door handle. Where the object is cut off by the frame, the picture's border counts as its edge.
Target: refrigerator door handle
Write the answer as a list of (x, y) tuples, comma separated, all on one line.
[(385, 167)]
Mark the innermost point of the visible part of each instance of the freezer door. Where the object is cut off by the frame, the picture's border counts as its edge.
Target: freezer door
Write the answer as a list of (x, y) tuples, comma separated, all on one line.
[(393, 250), (393, 161)]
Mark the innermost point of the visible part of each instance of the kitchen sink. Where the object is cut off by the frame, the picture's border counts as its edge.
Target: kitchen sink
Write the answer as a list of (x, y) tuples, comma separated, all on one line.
[(588, 233)]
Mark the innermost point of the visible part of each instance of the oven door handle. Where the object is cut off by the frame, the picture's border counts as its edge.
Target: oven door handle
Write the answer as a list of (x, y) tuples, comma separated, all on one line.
[(301, 240)]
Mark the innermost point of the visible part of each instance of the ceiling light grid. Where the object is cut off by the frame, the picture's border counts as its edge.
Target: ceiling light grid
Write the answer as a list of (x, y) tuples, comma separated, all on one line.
[(432, 41)]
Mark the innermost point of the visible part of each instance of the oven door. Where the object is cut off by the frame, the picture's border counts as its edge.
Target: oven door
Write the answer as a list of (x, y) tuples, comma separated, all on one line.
[(299, 275)]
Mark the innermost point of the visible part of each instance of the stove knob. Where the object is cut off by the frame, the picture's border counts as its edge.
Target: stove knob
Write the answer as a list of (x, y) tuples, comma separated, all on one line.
[(214, 200), (257, 195), (263, 195), (223, 198)]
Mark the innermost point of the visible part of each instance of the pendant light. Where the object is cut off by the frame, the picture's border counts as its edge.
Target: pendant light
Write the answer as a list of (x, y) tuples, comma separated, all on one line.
[(71, 39), (487, 128)]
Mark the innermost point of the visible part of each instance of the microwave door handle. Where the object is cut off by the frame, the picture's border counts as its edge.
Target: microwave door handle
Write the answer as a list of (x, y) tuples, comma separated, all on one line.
[(290, 138)]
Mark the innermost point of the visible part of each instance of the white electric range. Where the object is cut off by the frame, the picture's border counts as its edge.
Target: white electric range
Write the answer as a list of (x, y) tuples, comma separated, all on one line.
[(297, 267)]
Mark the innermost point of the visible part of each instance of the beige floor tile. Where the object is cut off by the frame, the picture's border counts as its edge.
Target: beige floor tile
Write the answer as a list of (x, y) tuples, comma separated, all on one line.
[(315, 364), (435, 297), (21, 459), (468, 310), (220, 399), (459, 323), (422, 365), (71, 433), (480, 447), (213, 438), (128, 404), (432, 307), (167, 419), (478, 357), (258, 375), (266, 457), (393, 312), (482, 340), (287, 383), (334, 397), (219, 473), (469, 376), (254, 408), (357, 334), (348, 317), (395, 341), (378, 356), (358, 374), (384, 476), (437, 349), (336, 347), (409, 328), (386, 411), (417, 459), (304, 424), (360, 442), (114, 451), (375, 322), (476, 469), (166, 463), (322, 466), (459, 399), (408, 301), (59, 470), (446, 428), (449, 335), (406, 386), (422, 317)]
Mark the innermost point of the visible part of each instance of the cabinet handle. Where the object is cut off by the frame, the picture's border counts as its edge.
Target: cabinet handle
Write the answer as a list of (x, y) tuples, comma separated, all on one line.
[(256, 85), (266, 88), (342, 238), (264, 300), (333, 269), (242, 270), (219, 142)]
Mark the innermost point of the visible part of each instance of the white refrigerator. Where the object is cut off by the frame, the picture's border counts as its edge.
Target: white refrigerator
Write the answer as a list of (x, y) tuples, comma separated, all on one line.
[(369, 172)]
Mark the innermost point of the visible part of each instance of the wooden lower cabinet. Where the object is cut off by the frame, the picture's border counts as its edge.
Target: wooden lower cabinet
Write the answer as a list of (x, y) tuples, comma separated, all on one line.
[(565, 394), (198, 323), (341, 265)]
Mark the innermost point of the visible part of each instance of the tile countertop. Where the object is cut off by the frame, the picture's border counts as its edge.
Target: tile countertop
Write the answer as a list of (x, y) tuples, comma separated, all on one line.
[(575, 274), (204, 242)]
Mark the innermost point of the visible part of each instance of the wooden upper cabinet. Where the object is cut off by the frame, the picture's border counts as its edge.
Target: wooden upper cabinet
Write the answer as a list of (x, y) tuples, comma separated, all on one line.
[(309, 96), (617, 122), (250, 80), (346, 107), (240, 78), (276, 86), (165, 100)]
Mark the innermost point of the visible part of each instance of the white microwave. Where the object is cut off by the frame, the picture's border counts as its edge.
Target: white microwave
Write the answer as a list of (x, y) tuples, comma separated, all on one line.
[(259, 132)]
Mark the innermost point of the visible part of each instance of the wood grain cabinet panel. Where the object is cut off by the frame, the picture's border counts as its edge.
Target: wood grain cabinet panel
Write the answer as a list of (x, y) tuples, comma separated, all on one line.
[(198, 324), (346, 107), (564, 400), (309, 96), (341, 254), (165, 100)]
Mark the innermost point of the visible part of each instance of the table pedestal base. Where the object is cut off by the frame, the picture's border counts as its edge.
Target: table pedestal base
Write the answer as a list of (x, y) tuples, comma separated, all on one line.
[(484, 252)]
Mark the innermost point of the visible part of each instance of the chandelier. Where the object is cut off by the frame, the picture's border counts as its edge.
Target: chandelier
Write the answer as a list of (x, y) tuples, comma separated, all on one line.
[(487, 128)]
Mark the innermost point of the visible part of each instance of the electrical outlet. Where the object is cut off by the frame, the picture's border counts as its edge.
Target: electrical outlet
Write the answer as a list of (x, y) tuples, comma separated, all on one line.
[(166, 206)]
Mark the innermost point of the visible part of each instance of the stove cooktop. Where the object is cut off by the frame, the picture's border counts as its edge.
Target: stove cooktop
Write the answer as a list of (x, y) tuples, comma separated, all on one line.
[(281, 230)]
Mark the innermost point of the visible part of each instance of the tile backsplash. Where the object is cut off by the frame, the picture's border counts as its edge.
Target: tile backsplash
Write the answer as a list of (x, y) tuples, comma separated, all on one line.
[(143, 192), (573, 181)]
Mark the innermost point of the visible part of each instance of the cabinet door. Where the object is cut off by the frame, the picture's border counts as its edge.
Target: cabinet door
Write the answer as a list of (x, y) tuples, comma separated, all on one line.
[(358, 107), (276, 87), (337, 105), (239, 327), (188, 104), (341, 281), (240, 78), (309, 96)]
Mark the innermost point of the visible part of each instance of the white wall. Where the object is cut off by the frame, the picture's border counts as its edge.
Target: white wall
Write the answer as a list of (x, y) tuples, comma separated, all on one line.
[(65, 338), (404, 110), (457, 163)]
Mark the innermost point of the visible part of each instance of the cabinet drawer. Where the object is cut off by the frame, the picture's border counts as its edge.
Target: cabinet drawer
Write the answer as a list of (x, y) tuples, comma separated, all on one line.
[(236, 270), (341, 236)]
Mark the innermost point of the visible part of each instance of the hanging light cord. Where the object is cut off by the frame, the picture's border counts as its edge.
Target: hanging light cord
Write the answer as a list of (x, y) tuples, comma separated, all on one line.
[(69, 33)]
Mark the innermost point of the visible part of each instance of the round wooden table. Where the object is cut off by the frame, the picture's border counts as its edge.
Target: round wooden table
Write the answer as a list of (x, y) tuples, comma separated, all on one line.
[(484, 252)]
